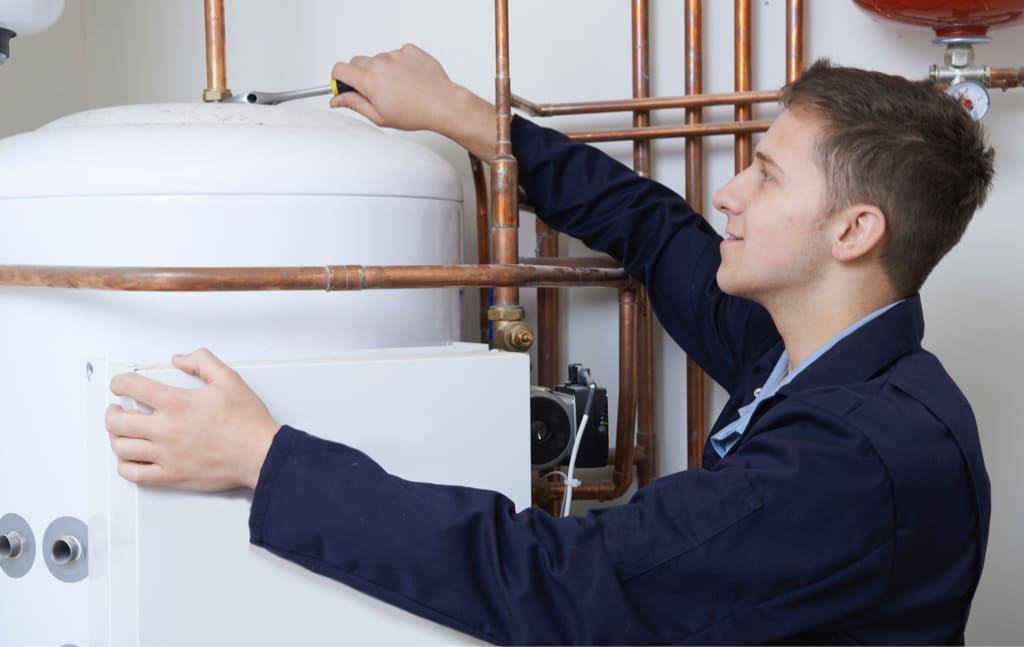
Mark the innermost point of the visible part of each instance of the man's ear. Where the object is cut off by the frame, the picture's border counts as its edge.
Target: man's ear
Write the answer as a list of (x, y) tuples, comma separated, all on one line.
[(861, 232)]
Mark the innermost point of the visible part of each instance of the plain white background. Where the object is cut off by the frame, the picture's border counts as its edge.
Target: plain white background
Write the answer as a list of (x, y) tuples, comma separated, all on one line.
[(111, 52)]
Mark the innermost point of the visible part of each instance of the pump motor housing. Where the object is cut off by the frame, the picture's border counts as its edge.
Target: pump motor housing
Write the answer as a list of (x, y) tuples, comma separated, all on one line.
[(555, 417)]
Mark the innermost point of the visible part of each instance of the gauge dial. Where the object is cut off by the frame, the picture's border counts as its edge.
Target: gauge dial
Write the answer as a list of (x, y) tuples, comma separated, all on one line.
[(972, 96)]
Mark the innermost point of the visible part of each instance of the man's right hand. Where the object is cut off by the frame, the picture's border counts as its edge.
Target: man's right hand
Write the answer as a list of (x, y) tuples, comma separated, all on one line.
[(408, 89)]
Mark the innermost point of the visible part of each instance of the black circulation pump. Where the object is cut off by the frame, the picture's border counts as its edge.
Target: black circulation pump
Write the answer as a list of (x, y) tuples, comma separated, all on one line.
[(5, 44), (555, 416)]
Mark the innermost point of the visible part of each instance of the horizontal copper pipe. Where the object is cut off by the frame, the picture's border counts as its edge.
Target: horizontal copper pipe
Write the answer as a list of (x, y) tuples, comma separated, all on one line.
[(644, 104), (665, 132), (330, 278), (565, 261), (1006, 77)]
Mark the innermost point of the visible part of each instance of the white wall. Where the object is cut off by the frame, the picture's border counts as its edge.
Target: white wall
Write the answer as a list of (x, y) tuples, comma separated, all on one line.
[(107, 52), (45, 77)]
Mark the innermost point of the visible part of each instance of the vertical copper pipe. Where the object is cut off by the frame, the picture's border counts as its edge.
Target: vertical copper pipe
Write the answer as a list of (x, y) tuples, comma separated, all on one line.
[(483, 236), (641, 83), (643, 387), (646, 434), (216, 66), (548, 341), (742, 78), (695, 418), (504, 171), (626, 428), (794, 39)]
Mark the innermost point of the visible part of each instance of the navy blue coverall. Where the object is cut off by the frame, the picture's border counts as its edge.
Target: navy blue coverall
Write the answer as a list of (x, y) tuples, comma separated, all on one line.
[(854, 510)]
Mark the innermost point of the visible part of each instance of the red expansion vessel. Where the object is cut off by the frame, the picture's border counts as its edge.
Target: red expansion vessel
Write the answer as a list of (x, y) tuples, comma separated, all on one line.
[(949, 18)]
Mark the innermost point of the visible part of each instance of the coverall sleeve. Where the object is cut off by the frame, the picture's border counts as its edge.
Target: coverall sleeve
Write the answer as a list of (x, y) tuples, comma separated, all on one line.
[(747, 552), (659, 238)]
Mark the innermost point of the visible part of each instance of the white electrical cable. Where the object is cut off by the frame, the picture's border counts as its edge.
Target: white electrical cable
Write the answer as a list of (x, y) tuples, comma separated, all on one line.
[(571, 482)]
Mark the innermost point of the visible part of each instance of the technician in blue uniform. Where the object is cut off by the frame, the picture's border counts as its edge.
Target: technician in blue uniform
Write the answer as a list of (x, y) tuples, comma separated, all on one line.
[(843, 497)]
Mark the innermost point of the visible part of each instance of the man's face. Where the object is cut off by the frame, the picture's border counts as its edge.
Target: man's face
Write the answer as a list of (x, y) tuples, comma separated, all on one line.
[(777, 246)]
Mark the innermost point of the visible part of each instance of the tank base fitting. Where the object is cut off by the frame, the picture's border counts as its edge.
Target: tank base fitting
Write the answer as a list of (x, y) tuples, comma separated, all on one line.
[(17, 546), (66, 550), (66, 553), (10, 545)]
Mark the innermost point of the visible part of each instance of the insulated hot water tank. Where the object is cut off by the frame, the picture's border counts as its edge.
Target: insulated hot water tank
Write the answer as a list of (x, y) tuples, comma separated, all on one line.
[(222, 185)]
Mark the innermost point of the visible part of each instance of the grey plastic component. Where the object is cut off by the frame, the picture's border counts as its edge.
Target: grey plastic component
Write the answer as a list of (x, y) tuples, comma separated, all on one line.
[(5, 44), (65, 549), (17, 545)]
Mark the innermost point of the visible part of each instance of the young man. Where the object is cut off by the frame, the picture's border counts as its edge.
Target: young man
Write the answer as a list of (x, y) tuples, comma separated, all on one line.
[(843, 498)]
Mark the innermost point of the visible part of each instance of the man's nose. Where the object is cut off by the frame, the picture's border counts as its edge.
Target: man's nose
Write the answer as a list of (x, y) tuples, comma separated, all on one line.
[(729, 197)]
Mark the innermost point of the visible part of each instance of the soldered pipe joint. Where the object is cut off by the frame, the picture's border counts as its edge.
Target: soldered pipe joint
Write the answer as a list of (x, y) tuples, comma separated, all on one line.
[(10, 545), (212, 95)]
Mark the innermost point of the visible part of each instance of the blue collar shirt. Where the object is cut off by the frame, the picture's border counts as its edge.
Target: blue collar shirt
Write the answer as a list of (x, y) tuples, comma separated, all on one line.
[(727, 437)]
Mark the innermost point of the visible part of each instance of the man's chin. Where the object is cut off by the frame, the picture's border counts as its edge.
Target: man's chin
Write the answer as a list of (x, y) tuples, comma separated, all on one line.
[(732, 288), (725, 285)]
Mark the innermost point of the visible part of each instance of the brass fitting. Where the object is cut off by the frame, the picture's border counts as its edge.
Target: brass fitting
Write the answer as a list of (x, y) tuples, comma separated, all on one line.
[(511, 333), (514, 336), (216, 94), (506, 313)]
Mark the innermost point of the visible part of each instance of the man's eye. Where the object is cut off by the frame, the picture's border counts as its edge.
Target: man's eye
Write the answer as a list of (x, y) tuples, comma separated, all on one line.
[(764, 175)]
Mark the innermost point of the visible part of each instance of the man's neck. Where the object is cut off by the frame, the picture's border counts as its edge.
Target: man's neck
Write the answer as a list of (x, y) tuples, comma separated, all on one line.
[(810, 322)]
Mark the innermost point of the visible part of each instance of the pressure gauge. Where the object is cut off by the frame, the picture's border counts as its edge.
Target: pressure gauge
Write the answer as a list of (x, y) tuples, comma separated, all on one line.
[(972, 96)]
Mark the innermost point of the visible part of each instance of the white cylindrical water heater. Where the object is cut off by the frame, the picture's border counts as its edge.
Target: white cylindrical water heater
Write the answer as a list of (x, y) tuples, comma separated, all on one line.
[(186, 185)]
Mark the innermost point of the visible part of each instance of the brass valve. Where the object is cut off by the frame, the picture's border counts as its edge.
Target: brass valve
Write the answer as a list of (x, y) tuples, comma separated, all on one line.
[(511, 333), (514, 336)]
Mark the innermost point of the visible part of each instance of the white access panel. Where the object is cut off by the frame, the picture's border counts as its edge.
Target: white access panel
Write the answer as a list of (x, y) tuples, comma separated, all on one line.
[(174, 568)]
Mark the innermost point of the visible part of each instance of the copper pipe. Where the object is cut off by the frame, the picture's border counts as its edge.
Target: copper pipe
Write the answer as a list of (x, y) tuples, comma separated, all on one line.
[(645, 104), (638, 455), (646, 437), (330, 278), (504, 171), (582, 261), (641, 85), (794, 39), (1006, 77), (742, 78), (695, 398), (216, 66), (665, 132), (548, 329), (502, 80), (694, 81), (642, 387), (483, 238), (622, 477)]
